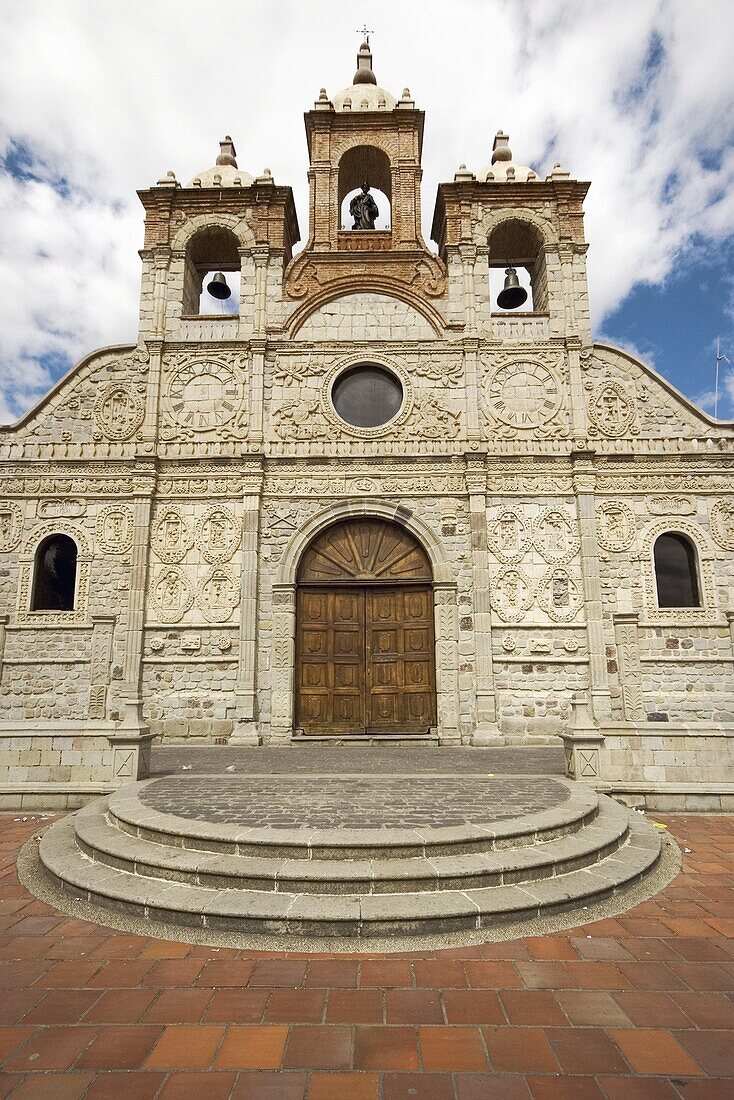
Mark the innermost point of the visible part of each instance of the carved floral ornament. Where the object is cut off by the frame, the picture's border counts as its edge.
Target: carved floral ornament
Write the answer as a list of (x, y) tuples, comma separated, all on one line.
[(509, 536), (114, 529), (612, 410), (615, 526), (118, 412), (171, 535), (722, 523), (11, 525), (555, 536), (217, 534)]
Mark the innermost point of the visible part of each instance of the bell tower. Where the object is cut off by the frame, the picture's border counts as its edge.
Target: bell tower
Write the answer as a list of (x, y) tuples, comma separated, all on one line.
[(365, 135)]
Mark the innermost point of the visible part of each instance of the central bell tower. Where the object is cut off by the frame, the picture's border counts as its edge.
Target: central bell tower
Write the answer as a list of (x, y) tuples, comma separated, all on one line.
[(364, 134)]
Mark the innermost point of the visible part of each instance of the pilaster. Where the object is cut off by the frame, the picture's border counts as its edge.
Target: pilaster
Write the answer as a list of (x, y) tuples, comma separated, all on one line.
[(584, 482)]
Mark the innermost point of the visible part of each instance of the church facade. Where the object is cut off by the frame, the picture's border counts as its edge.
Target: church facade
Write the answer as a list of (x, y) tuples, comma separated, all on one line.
[(360, 500)]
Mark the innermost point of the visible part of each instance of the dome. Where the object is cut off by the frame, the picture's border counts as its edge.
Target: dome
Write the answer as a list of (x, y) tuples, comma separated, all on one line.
[(503, 168), (364, 97), (225, 172)]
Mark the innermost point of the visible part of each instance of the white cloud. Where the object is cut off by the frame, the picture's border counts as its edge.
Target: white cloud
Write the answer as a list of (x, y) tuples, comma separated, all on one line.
[(108, 96)]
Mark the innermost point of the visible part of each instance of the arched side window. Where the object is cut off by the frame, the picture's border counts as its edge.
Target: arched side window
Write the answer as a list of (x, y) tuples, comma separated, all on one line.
[(359, 165), (518, 245), (54, 574), (676, 571), (212, 252)]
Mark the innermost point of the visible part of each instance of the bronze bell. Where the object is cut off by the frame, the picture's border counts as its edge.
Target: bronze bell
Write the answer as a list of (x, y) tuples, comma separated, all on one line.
[(512, 294), (218, 287)]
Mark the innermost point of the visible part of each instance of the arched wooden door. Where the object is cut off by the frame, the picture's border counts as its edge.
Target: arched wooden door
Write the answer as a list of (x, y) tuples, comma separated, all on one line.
[(365, 651)]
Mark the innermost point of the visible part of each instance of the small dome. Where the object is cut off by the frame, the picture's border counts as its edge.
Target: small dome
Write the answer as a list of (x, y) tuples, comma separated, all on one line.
[(225, 172), (364, 97), (503, 168), (364, 74)]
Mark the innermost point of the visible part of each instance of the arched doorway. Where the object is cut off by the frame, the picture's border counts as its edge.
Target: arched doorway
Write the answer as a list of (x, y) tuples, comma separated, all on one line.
[(365, 650)]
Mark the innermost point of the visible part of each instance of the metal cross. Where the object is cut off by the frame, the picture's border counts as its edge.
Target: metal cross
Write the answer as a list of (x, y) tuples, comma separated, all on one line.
[(366, 33)]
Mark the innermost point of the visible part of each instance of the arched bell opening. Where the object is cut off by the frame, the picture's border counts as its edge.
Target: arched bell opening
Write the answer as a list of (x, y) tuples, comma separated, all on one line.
[(364, 164), (212, 273), (365, 639), (517, 271), (54, 574)]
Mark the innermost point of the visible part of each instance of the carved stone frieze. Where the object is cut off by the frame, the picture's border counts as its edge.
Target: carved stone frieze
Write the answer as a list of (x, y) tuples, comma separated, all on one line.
[(217, 534), (66, 507), (555, 536), (171, 594), (119, 411), (559, 594), (511, 594), (510, 535), (615, 526), (722, 523), (171, 536), (218, 595), (670, 505), (11, 525), (115, 527)]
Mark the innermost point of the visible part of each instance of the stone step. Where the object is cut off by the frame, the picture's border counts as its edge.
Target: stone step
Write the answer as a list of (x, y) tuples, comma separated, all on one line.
[(257, 911), (98, 838), (131, 815)]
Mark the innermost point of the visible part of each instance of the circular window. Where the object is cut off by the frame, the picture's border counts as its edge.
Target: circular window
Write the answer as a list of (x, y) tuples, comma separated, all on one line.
[(367, 396)]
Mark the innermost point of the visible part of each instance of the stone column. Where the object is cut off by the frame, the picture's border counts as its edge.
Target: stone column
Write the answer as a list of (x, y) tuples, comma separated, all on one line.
[(144, 485), (99, 677), (4, 620), (447, 662), (627, 637), (246, 729), (257, 391), (260, 256), (161, 260), (584, 482), (486, 730), (283, 665), (471, 350)]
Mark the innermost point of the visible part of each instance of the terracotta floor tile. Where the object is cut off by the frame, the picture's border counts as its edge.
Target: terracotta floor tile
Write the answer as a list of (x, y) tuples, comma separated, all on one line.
[(651, 975), (386, 1048), (167, 972), (550, 948), (472, 1006), (655, 1052), (13, 1037), (271, 1085), (287, 973), (252, 1047), (354, 1006), (452, 1048), (332, 973), (413, 1006), (295, 1006), (185, 1047), (120, 973), (712, 1050), (165, 949), (600, 948), (699, 1089), (15, 1007), (493, 975), (23, 973), (127, 1086), (225, 972), (178, 1006), (414, 1086), (707, 1010), (120, 1006), (338, 1086), (53, 1086), (598, 975), (237, 1006), (483, 1086), (531, 1007), (318, 1047), (62, 1006), (52, 1048), (649, 950), (639, 1088), (651, 1009), (69, 975), (520, 1049), (194, 1086), (385, 973), (119, 1047), (703, 975), (546, 975), (438, 974), (585, 1050), (564, 1088)]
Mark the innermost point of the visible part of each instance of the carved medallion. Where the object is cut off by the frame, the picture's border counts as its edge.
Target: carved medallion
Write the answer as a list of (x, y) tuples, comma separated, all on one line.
[(114, 529), (218, 595), (203, 396), (511, 595), (611, 411), (523, 395), (217, 535), (171, 536), (559, 594), (172, 595), (722, 523), (615, 526), (509, 536), (555, 536), (11, 525), (118, 412)]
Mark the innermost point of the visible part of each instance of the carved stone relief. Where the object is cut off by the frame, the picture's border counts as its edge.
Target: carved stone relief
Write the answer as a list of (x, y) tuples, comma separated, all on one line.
[(66, 507), (524, 396), (509, 535), (218, 595), (217, 535), (615, 526), (555, 536), (118, 412), (172, 595), (670, 505), (722, 523), (171, 536), (559, 594), (114, 529), (612, 410), (204, 398), (511, 595), (11, 525)]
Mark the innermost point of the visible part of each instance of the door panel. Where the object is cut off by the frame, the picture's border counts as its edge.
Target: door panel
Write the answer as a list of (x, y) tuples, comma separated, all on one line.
[(330, 655), (400, 659)]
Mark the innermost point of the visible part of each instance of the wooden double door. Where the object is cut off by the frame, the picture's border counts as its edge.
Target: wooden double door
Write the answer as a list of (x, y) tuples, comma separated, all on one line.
[(365, 648)]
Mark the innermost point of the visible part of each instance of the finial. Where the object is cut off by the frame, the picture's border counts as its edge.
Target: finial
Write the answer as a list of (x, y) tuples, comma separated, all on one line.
[(227, 152), (364, 74), (501, 148)]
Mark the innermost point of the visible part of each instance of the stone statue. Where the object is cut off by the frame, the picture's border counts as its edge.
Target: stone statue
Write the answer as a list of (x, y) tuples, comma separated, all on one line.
[(363, 209)]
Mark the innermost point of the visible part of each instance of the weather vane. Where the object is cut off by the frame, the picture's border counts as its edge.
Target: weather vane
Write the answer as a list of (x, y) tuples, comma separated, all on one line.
[(366, 33)]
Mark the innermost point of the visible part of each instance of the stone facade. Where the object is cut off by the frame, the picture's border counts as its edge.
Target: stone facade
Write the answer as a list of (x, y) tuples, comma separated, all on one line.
[(537, 469)]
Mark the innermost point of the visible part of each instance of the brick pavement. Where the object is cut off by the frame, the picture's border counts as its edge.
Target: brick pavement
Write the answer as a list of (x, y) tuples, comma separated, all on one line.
[(639, 1007)]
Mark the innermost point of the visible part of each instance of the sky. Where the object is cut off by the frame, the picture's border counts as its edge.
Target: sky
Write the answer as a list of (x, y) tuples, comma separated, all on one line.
[(99, 98)]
